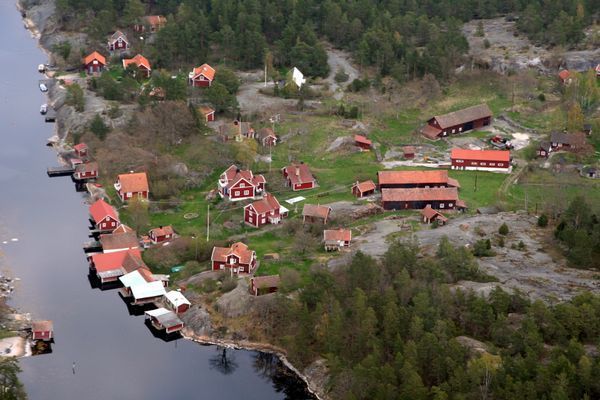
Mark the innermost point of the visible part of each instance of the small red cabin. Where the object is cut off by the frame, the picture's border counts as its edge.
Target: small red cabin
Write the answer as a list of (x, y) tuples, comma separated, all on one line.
[(299, 177), (141, 63), (202, 76), (207, 112), (161, 234), (81, 150), (104, 217), (85, 171), (118, 42), (42, 330), (409, 152), (260, 285), (362, 189), (362, 142), (94, 63)]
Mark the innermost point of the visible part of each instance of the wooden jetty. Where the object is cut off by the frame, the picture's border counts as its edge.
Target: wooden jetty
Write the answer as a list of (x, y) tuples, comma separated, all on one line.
[(93, 246), (65, 170)]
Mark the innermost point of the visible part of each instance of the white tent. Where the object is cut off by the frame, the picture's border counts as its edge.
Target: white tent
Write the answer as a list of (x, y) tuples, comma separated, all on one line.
[(298, 77)]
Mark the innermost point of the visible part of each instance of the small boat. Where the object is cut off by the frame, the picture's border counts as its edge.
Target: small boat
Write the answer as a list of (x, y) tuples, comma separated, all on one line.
[(41, 68), (44, 109), (43, 87)]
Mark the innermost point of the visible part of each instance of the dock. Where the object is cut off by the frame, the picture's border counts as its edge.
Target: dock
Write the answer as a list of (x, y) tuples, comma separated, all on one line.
[(92, 246), (50, 116), (60, 171)]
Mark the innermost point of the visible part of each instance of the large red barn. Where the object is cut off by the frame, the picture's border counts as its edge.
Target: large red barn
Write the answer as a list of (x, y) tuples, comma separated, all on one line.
[(481, 160), (458, 121)]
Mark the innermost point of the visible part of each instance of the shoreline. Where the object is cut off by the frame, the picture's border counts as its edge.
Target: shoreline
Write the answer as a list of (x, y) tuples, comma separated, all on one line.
[(188, 333)]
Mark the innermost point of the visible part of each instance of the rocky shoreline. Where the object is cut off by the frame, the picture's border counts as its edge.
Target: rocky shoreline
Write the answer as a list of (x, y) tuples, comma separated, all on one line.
[(37, 19)]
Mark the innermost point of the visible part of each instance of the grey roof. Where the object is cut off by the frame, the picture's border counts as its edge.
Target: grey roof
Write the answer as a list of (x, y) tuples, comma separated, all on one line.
[(463, 116), (560, 137)]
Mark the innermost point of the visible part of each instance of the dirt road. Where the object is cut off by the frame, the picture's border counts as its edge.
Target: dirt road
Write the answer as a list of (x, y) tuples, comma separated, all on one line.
[(339, 60)]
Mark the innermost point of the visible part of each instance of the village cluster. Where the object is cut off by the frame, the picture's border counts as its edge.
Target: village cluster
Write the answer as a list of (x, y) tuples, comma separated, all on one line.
[(115, 257)]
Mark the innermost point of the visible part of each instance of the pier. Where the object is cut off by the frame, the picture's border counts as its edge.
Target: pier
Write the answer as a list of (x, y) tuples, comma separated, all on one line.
[(60, 171)]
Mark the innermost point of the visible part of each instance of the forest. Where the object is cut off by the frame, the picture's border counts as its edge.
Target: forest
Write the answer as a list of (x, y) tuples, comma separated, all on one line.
[(393, 330), (401, 38)]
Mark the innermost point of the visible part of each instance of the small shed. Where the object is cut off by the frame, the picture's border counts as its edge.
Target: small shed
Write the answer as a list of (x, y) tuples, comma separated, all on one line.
[(163, 319), (362, 142), (42, 330), (362, 189), (409, 152), (430, 215), (315, 213), (335, 239), (260, 285), (207, 112), (177, 301), (81, 150)]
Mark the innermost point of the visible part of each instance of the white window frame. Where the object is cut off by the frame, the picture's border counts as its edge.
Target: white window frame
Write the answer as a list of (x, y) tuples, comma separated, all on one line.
[(441, 205)]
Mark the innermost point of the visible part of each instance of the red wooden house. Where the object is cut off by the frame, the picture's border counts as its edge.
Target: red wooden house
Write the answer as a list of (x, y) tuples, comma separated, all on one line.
[(362, 189), (362, 142), (202, 76), (315, 213), (207, 112), (42, 330), (94, 63), (415, 179), (260, 285), (544, 149), (266, 137), (418, 198), (571, 141), (458, 122), (118, 42), (238, 258), (236, 184), (161, 234), (335, 239), (481, 160), (264, 211), (141, 64), (177, 301), (132, 185), (81, 150), (298, 177), (85, 171), (103, 216)]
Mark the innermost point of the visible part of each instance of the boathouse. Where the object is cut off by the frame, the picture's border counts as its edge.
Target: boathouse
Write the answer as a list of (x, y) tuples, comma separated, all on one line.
[(163, 319), (81, 150), (110, 267), (42, 330), (177, 301), (119, 240), (86, 171)]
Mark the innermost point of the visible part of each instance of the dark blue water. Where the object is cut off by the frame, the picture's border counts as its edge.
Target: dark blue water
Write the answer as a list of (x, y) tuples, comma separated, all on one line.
[(115, 354)]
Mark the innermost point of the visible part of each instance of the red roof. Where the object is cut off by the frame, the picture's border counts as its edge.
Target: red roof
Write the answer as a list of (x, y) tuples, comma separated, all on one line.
[(206, 70), (233, 175), (412, 177), (316, 211), (408, 149), (564, 74), (95, 56), (138, 60), (101, 209), (430, 213), (299, 173), (362, 139), (419, 194), (337, 235), (263, 282), (481, 155), (239, 249), (80, 146), (206, 110), (430, 131), (365, 186), (104, 262), (155, 20), (162, 231), (41, 326), (134, 182), (267, 204), (119, 241)]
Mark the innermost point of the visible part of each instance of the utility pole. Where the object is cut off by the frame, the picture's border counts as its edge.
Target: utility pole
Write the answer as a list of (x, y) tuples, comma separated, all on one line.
[(475, 189), (208, 223)]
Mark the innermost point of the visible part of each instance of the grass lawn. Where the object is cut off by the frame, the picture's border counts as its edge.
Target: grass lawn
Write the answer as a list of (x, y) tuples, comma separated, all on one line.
[(478, 188)]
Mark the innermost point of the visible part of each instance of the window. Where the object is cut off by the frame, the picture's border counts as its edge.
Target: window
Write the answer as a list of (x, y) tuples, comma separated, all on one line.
[(483, 164), (492, 164), (221, 266), (441, 205), (112, 224), (242, 185), (460, 129), (246, 192), (453, 130), (450, 204)]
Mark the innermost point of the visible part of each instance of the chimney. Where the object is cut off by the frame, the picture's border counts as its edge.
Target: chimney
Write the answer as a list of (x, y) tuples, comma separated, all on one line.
[(297, 171)]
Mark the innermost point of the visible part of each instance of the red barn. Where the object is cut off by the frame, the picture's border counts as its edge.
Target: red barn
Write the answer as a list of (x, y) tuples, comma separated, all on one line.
[(458, 121), (362, 142), (298, 177), (335, 239), (118, 42), (315, 213), (264, 211), (238, 258), (177, 301), (236, 184), (42, 330), (85, 171), (161, 234), (94, 63), (267, 138), (418, 198), (202, 76), (415, 179), (81, 150), (132, 185), (103, 216), (207, 112), (362, 189), (141, 63), (260, 285), (481, 160)]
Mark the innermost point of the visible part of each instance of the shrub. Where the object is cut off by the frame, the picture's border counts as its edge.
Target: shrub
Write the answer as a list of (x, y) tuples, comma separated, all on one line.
[(501, 241), (341, 76), (483, 248), (486, 43), (503, 229), (98, 127), (357, 85), (542, 221), (541, 97), (63, 49), (75, 97), (228, 285), (521, 246)]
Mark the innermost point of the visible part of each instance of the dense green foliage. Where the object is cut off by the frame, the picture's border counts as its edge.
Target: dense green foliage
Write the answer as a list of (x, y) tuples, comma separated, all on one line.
[(401, 38), (10, 386), (579, 230), (388, 330)]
